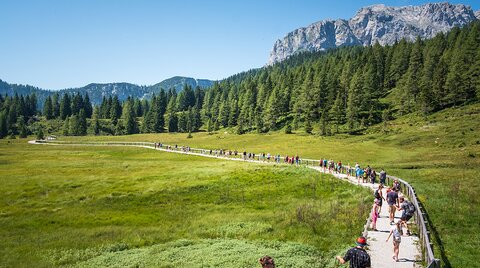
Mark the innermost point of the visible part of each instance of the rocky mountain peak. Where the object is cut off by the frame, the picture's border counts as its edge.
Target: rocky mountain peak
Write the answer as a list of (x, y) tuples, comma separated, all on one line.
[(376, 23)]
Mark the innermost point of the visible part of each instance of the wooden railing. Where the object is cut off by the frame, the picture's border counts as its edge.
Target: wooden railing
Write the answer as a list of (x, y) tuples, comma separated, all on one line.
[(420, 220), (407, 189)]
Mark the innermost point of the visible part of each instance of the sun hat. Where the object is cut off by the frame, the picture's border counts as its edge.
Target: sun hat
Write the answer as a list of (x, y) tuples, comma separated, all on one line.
[(361, 241)]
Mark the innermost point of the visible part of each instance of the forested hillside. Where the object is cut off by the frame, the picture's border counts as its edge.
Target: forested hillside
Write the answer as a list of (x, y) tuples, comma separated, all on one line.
[(351, 88)]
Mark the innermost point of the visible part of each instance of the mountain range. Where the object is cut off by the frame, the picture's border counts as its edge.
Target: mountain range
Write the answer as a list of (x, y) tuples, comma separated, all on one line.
[(97, 91), (377, 23)]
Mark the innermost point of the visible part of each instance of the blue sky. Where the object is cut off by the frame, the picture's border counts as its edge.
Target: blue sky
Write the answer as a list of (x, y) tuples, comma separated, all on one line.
[(55, 44)]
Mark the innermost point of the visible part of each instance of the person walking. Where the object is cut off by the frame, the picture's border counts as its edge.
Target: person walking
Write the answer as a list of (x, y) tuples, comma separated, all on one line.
[(373, 176), (357, 255), (396, 231), (379, 195), (359, 173), (392, 201), (408, 209), (383, 177), (375, 214)]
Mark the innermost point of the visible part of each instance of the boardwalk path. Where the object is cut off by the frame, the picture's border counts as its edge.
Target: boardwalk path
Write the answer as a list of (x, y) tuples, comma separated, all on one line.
[(379, 250)]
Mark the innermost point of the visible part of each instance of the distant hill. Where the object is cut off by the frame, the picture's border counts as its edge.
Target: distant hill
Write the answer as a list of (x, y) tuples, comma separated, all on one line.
[(97, 91), (178, 82)]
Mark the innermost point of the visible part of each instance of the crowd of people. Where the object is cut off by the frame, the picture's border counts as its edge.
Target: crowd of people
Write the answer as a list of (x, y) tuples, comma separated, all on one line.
[(395, 200)]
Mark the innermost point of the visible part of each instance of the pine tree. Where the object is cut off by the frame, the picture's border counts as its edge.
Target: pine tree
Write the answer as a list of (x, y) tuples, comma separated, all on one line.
[(33, 104), (115, 110), (411, 87), (131, 126), (172, 122), (324, 126), (182, 122), (65, 107), (22, 128), (148, 122), (209, 125), (95, 125), (354, 101), (137, 108), (87, 105), (56, 105), (3, 124), (196, 119), (82, 123), (48, 108), (77, 103), (73, 129), (119, 130), (337, 112)]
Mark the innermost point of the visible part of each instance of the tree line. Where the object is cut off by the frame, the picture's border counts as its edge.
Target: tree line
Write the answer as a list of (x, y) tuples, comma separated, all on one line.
[(351, 88), (342, 90)]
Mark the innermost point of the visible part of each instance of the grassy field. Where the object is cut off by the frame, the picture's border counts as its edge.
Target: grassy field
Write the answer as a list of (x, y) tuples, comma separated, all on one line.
[(438, 154), (67, 206)]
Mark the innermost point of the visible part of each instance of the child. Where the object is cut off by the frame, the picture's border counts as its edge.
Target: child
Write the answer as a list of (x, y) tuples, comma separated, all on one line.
[(375, 213), (396, 231)]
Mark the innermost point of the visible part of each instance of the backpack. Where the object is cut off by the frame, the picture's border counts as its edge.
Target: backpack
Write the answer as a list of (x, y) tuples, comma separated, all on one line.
[(377, 194), (410, 208)]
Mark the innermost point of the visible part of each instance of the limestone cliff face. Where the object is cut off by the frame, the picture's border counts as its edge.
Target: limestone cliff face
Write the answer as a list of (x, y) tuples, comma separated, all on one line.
[(377, 23)]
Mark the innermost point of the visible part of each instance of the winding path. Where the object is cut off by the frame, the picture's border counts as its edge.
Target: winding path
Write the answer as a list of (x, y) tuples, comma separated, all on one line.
[(379, 250)]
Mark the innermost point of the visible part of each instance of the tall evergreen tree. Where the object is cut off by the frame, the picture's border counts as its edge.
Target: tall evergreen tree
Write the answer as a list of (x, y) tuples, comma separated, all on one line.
[(115, 109), (131, 126), (48, 108), (22, 128), (87, 105), (3, 124), (172, 122), (65, 107), (56, 105)]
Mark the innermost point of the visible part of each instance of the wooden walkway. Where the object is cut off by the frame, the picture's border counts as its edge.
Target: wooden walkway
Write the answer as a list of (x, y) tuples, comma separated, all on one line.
[(380, 251)]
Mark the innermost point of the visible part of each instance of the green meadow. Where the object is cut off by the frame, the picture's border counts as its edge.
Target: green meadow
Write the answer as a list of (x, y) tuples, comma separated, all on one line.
[(68, 206), (116, 206), (438, 154)]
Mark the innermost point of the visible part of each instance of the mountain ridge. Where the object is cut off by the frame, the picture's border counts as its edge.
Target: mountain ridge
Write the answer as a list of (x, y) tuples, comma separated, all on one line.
[(97, 91), (371, 24)]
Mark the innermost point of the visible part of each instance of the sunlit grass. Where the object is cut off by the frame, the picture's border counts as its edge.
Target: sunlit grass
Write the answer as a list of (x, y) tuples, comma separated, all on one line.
[(67, 205)]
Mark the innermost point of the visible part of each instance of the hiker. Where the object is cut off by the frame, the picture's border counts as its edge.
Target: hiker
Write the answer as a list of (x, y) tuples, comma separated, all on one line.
[(379, 195), (392, 200), (359, 173), (396, 231), (373, 176), (396, 186), (383, 177), (375, 214), (365, 176), (267, 262), (408, 209), (357, 255)]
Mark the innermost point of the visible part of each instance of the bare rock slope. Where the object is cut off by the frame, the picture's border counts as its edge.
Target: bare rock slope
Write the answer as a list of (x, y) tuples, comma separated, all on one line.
[(377, 23)]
